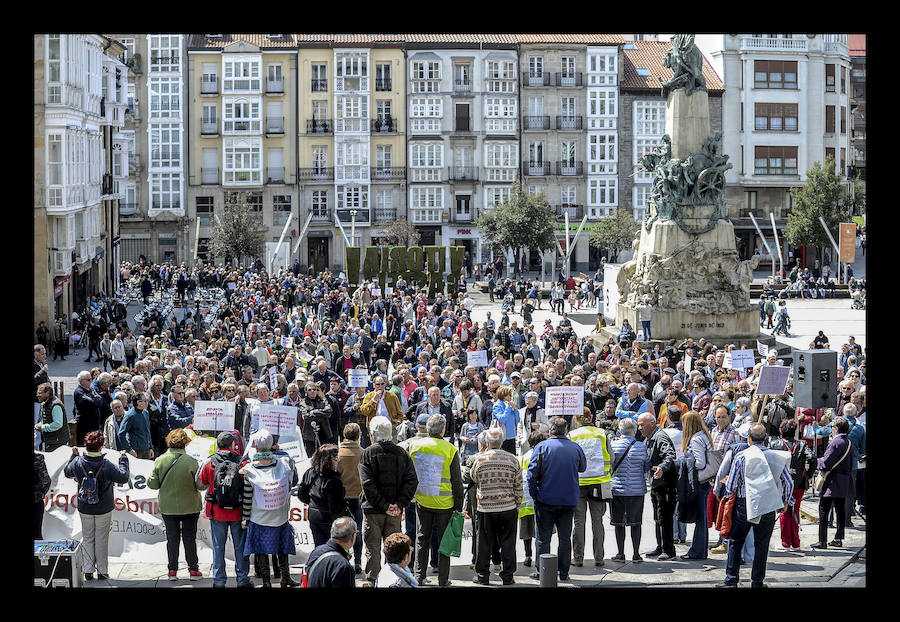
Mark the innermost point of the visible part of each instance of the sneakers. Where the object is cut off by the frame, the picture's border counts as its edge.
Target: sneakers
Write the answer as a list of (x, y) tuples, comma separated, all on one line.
[(89, 576), (722, 548), (665, 558), (782, 548), (655, 552), (836, 542), (534, 575), (637, 559), (195, 575), (795, 548), (173, 575), (618, 557)]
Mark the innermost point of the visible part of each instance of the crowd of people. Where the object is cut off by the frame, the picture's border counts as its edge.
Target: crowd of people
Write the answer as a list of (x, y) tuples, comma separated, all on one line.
[(431, 435)]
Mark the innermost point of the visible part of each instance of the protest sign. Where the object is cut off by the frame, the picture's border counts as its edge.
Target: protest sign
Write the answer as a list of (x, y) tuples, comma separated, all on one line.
[(564, 401), (376, 292), (773, 380), (477, 358), (388, 290), (357, 378), (273, 378), (305, 356), (213, 415), (278, 419), (200, 448), (762, 348), (688, 364), (726, 361), (287, 342), (742, 359)]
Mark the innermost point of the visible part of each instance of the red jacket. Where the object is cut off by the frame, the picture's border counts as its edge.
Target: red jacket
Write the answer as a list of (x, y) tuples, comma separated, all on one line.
[(206, 476)]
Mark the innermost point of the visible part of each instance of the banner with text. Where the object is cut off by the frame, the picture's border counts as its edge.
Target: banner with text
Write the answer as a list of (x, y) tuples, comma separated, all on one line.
[(216, 416), (564, 401)]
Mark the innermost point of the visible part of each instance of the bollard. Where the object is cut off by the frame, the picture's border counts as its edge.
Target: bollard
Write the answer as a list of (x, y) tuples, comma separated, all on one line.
[(549, 569)]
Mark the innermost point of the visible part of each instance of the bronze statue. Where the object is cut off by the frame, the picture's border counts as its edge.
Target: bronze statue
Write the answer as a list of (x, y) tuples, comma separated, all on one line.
[(686, 62)]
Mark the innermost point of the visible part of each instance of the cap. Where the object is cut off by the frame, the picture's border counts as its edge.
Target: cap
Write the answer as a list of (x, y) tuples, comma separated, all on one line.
[(422, 420), (531, 394), (669, 370), (515, 374), (225, 439)]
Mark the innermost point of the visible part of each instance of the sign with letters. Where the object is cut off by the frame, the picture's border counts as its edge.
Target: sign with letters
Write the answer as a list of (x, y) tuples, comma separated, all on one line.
[(762, 348), (773, 380), (278, 419), (477, 358), (742, 359), (357, 378), (216, 416), (564, 401)]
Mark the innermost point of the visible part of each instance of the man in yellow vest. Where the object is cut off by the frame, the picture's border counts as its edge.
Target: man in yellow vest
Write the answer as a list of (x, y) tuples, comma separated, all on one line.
[(439, 493), (590, 485)]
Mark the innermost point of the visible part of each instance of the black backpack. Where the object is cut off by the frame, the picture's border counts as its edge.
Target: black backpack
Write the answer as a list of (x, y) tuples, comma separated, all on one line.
[(228, 485), (798, 461)]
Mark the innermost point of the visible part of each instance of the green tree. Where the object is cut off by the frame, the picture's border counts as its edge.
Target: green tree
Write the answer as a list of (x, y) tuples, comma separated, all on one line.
[(524, 221), (821, 196), (616, 233), (858, 196), (239, 232)]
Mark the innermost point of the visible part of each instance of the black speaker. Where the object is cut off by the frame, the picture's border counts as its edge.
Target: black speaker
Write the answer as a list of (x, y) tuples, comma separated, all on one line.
[(815, 378)]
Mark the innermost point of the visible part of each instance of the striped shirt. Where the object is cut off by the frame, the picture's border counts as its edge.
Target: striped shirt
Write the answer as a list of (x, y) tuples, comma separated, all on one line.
[(735, 483)]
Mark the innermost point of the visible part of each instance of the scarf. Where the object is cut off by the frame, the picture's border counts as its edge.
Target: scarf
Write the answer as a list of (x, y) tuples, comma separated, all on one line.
[(260, 456)]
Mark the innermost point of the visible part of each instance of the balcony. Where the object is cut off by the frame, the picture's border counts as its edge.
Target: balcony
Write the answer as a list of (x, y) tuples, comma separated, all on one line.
[(127, 209), (575, 212), (387, 125), (529, 79), (62, 263), (769, 43), (569, 123), (319, 173), (462, 86), (319, 86), (463, 173), (353, 124), (82, 251), (462, 217), (275, 175), (209, 176), (344, 215), (385, 214), (388, 173), (351, 83), (569, 169), (535, 169), (351, 173), (319, 126), (274, 125), (427, 216), (209, 128), (536, 123), (568, 79), (209, 87), (320, 215), (382, 84), (275, 87)]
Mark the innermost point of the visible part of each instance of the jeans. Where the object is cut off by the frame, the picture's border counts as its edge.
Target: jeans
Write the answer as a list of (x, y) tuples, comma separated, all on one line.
[(663, 500), (598, 509), (645, 325), (37, 419), (762, 533), (679, 529), (95, 542), (560, 516), (700, 540), (356, 511), (375, 528), (321, 532), (497, 527), (219, 533), (825, 504), (181, 527), (426, 519)]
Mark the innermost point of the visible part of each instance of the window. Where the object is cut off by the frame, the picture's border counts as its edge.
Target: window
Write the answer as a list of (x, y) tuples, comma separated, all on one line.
[(382, 76), (426, 160), (843, 170), (829, 153), (776, 117), (536, 153), (843, 119), (602, 103), (320, 203), (320, 158), (606, 191), (641, 200), (209, 78), (319, 78), (829, 78), (54, 88), (253, 199), (775, 74), (425, 114), (242, 74), (567, 64), (54, 170), (351, 71), (384, 204), (425, 76), (352, 197), (319, 109), (602, 150), (496, 195), (535, 66), (204, 210), (650, 118), (274, 78), (165, 145), (165, 53), (427, 203), (568, 195), (383, 156), (500, 113), (829, 118), (775, 161), (165, 98), (501, 161), (462, 77), (281, 209), (165, 191), (243, 161), (383, 109), (500, 76), (242, 115), (209, 120)]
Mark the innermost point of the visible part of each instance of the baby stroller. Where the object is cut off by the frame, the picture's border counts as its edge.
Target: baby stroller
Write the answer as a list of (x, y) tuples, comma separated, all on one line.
[(859, 299), (782, 324), (508, 302)]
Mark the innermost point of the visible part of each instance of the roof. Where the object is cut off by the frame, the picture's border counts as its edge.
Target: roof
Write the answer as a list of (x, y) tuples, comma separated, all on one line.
[(599, 39), (649, 55), (202, 42), (857, 45)]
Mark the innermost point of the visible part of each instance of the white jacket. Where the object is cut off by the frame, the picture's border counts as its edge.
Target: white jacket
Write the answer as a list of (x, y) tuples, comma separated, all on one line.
[(762, 475)]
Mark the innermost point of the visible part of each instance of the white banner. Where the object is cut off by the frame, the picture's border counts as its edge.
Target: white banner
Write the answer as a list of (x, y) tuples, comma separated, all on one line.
[(287, 342), (477, 358), (742, 359), (357, 378), (278, 419), (564, 401), (726, 361), (137, 533), (762, 348), (773, 380), (216, 416)]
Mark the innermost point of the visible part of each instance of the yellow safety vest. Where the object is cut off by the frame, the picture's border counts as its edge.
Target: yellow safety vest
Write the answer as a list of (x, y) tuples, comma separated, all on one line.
[(593, 441), (432, 458), (527, 508)]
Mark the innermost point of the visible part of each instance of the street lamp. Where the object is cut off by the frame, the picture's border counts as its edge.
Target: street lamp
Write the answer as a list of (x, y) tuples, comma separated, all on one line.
[(353, 213)]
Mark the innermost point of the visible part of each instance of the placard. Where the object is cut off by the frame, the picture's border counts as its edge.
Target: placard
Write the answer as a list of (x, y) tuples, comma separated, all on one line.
[(253, 408), (477, 358), (273, 378), (688, 364), (287, 342), (742, 359), (726, 361), (305, 356), (357, 378), (209, 415), (200, 448), (376, 292), (294, 448), (388, 290), (773, 380), (564, 401), (278, 419), (429, 471), (232, 285), (762, 348)]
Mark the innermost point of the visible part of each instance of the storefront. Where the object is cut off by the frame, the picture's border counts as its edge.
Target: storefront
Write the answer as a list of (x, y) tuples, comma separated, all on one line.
[(318, 253), (467, 236)]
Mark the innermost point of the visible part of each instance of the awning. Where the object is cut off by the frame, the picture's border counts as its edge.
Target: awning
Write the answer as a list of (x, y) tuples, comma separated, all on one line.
[(59, 284)]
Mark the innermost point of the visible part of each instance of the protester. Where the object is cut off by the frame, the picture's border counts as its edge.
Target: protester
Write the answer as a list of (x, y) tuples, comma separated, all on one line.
[(349, 454), (397, 554), (631, 462), (836, 464), (53, 427), (321, 488), (591, 484), (662, 485), (329, 564)]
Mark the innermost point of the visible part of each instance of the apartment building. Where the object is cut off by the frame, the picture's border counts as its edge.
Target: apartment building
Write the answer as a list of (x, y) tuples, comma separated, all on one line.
[(79, 102), (786, 105), (241, 92), (857, 45), (642, 116)]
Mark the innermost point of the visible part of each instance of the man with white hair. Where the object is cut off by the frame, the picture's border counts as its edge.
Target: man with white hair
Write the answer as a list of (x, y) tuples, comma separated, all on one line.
[(499, 479), (389, 483), (88, 402), (631, 404)]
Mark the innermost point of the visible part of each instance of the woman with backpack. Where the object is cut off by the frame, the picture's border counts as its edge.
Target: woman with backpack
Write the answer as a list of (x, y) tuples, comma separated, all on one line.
[(803, 461), (95, 476), (174, 475)]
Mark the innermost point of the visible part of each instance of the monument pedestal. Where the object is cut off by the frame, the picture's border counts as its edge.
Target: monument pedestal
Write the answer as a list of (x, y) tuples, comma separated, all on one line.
[(680, 324)]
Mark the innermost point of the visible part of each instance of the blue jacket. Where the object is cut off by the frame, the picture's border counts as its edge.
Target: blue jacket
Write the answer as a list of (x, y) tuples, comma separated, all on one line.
[(553, 471), (857, 436), (508, 416), (687, 487), (134, 430), (629, 480), (179, 415), (107, 475), (627, 408)]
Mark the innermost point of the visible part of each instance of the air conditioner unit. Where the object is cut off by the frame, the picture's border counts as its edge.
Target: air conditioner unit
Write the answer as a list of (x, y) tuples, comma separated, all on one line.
[(214, 36)]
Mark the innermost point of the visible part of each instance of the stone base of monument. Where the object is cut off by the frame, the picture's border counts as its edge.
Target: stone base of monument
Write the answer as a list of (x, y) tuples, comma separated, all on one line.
[(680, 324)]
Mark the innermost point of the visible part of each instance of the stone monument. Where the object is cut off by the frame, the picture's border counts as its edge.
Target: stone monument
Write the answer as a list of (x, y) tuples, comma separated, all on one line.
[(686, 264)]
